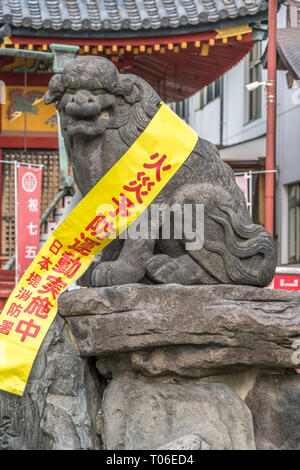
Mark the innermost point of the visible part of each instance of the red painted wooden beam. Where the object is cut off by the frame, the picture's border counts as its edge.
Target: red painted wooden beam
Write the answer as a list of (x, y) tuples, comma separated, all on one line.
[(33, 142), (271, 118), (35, 40)]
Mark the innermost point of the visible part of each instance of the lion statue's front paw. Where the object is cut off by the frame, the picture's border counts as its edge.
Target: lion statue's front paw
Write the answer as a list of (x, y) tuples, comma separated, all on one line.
[(112, 273)]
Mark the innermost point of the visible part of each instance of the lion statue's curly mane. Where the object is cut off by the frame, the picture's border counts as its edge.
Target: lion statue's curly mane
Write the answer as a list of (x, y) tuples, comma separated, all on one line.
[(102, 113)]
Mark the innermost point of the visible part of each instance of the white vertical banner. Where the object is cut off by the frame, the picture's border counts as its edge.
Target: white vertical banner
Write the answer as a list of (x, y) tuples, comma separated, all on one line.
[(245, 184)]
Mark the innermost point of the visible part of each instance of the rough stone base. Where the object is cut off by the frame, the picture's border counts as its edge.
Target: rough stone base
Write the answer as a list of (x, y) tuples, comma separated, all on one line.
[(59, 409), (197, 367), (140, 414), (275, 405), (184, 330)]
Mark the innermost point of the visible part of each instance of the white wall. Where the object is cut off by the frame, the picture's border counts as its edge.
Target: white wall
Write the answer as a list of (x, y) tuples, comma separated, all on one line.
[(235, 94), (288, 131), (205, 121)]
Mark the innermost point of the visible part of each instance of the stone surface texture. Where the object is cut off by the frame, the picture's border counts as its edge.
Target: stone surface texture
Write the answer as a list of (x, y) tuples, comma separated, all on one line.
[(192, 367), (163, 367), (142, 415), (58, 410), (188, 442), (275, 405), (185, 330)]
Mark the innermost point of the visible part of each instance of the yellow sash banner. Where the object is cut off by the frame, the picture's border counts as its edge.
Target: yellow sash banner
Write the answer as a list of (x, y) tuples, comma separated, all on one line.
[(132, 183)]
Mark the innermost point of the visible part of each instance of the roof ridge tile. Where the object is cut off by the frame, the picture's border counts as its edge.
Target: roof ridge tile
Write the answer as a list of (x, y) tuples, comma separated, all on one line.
[(115, 15)]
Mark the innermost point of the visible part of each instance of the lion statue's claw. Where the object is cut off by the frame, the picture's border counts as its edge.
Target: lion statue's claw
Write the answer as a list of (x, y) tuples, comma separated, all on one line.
[(112, 273)]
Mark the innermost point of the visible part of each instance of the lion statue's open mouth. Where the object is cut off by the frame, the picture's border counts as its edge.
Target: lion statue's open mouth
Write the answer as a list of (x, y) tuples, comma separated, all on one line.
[(102, 113), (88, 127)]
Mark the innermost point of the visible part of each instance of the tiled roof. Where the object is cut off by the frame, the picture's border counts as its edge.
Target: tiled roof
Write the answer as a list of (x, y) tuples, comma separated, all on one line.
[(116, 15), (288, 48)]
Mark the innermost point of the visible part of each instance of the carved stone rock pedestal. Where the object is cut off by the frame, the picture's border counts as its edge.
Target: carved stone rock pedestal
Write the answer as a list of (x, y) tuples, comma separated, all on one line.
[(58, 410), (192, 367)]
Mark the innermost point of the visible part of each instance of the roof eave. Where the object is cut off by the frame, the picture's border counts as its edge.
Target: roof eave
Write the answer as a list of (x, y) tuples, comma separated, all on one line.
[(126, 33), (287, 64)]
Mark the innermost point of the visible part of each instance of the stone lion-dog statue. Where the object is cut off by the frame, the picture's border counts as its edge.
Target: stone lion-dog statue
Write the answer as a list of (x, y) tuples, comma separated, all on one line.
[(102, 113)]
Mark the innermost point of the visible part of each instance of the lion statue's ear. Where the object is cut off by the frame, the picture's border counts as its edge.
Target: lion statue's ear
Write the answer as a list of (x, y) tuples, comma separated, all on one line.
[(128, 89), (56, 90)]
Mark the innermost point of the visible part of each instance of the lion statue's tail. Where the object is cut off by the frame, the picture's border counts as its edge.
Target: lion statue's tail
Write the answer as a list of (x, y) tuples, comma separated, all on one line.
[(242, 242)]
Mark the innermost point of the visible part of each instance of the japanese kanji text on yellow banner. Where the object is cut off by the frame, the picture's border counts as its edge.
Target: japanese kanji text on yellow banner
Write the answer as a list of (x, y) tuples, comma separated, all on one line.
[(136, 178)]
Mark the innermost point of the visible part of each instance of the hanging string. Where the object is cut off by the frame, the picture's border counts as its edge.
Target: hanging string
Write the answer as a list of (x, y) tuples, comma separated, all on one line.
[(25, 108)]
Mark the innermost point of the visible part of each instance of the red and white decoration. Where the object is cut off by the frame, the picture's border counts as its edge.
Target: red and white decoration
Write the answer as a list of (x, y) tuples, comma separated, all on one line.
[(285, 281), (29, 183)]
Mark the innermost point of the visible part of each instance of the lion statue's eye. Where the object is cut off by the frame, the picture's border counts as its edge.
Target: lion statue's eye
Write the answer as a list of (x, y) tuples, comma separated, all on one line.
[(99, 91)]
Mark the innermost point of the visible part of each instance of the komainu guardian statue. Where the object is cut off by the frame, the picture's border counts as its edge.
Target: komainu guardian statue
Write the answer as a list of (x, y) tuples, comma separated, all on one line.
[(102, 114)]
